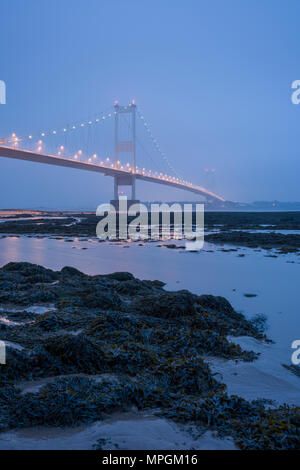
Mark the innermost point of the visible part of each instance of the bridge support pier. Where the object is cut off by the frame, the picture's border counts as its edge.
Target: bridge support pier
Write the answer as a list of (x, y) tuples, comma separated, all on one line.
[(133, 188), (124, 180), (116, 189)]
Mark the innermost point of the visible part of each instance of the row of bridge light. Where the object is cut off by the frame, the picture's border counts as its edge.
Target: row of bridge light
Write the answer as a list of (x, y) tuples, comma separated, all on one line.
[(117, 166), (106, 163), (15, 140)]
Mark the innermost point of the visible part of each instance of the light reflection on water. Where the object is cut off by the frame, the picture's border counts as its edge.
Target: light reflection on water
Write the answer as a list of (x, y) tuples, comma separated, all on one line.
[(274, 280)]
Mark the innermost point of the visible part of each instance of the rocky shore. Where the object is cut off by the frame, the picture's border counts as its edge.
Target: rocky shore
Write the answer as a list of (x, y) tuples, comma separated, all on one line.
[(281, 242), (100, 344), (248, 229)]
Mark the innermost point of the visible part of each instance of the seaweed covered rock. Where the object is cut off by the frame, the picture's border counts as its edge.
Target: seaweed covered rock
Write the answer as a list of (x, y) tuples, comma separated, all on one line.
[(129, 357), (189, 339), (21, 365), (67, 401), (30, 273), (217, 314), (215, 304), (121, 276), (134, 287), (189, 375), (16, 367), (168, 305), (87, 292), (253, 426), (116, 326), (70, 272), (8, 398), (277, 429), (76, 353), (103, 300), (51, 322), (146, 344)]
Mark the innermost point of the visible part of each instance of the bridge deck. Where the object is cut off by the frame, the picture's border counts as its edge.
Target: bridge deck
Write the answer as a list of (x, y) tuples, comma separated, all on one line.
[(27, 155)]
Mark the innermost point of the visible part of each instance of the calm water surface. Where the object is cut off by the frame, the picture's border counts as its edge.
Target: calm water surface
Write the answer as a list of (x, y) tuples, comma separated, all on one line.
[(275, 281)]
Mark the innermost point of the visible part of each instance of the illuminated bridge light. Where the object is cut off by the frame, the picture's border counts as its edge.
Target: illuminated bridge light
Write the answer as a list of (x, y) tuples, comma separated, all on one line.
[(81, 156)]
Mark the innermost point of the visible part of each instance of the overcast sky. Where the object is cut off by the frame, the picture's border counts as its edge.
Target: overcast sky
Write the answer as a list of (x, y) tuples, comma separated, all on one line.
[(212, 77)]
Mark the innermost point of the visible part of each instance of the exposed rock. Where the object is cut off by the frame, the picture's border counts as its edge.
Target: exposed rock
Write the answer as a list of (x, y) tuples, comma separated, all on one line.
[(166, 305), (148, 342)]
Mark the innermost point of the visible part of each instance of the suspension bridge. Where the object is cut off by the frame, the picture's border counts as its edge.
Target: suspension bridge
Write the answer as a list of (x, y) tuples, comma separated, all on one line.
[(33, 148)]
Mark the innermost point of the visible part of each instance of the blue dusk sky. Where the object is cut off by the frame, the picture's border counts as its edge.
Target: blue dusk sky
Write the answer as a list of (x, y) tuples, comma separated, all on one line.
[(212, 77)]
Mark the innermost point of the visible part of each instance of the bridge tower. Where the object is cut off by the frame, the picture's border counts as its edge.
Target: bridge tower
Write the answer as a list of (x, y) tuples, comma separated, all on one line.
[(122, 146)]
